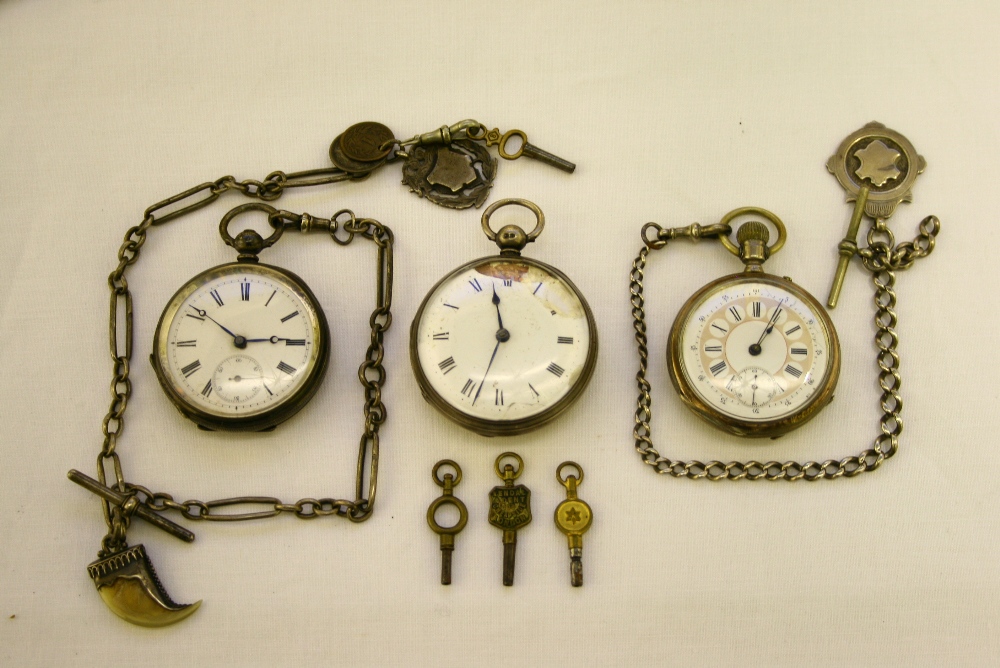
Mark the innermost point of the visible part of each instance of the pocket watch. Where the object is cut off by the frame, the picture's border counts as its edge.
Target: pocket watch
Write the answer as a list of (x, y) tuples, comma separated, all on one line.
[(754, 354), (504, 344), (242, 346)]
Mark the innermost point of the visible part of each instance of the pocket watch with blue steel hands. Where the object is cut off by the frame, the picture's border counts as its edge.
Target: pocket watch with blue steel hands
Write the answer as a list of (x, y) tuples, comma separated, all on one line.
[(242, 346)]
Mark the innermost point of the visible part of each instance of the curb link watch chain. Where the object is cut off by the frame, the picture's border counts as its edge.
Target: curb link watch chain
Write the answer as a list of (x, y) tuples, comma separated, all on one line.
[(882, 258), (877, 167)]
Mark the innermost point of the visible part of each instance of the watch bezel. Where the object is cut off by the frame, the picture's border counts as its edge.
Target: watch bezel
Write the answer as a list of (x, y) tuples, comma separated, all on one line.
[(484, 426), (287, 407), (757, 428)]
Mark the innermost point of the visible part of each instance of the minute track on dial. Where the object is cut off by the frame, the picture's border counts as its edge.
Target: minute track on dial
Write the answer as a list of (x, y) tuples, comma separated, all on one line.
[(882, 257), (515, 358), (733, 325), (717, 368), (752, 344), (123, 575)]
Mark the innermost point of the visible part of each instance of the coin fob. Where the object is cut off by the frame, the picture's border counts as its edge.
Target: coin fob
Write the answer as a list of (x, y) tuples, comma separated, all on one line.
[(366, 142)]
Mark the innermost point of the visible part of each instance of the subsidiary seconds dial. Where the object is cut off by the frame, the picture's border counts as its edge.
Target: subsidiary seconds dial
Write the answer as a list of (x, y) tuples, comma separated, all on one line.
[(752, 353), (755, 350)]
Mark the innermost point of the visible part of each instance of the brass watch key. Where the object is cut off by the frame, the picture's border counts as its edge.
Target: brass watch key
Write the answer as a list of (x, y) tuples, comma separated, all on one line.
[(493, 137), (447, 498), (510, 510), (573, 518)]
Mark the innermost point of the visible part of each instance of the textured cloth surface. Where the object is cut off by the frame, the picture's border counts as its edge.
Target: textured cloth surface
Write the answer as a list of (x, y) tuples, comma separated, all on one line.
[(675, 112)]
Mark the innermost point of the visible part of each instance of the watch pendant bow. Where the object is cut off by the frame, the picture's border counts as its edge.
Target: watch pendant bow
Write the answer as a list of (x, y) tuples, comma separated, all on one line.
[(755, 354), (242, 346)]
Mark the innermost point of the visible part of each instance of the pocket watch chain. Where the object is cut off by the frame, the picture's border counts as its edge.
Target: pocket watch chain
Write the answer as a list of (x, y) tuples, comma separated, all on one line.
[(371, 372), (882, 258)]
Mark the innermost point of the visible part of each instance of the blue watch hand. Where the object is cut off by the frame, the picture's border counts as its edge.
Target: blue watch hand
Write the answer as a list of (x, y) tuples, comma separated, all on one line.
[(204, 314), (502, 335), (496, 302)]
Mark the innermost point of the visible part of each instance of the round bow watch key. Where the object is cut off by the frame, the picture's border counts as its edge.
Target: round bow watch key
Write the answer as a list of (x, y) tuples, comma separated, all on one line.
[(752, 353), (504, 344), (242, 346)]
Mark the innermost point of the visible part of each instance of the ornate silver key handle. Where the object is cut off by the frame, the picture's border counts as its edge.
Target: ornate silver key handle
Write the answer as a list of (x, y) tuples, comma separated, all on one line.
[(877, 167), (124, 575)]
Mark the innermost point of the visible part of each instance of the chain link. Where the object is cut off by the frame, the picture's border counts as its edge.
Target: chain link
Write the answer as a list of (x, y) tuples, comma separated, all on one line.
[(882, 258), (371, 372)]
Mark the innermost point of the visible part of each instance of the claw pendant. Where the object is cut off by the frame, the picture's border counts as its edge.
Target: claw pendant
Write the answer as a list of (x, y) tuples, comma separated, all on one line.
[(126, 579), (128, 584)]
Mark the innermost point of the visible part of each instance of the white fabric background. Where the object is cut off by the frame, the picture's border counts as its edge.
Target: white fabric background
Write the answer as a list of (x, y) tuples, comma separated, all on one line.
[(675, 112)]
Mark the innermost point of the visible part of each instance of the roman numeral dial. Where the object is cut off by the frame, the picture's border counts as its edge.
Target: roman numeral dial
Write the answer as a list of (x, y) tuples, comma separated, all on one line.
[(750, 348), (240, 342), (501, 342)]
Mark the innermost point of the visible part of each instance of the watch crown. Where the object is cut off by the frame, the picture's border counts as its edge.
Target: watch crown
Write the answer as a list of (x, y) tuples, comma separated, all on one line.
[(753, 237), (511, 239), (753, 230), (249, 243)]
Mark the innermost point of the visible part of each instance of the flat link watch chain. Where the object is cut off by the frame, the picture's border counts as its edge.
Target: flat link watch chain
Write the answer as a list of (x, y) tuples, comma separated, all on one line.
[(371, 372), (882, 258)]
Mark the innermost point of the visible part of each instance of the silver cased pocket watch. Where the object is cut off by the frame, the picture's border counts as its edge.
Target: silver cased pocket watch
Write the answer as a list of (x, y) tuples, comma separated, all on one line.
[(754, 354), (242, 346), (504, 344)]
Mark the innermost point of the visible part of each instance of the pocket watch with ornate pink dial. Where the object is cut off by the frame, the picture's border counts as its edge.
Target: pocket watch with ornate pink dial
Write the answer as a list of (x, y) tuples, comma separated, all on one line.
[(752, 353)]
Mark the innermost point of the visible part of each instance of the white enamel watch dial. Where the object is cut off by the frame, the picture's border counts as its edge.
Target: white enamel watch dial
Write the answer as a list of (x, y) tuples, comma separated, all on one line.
[(503, 344), (755, 354), (241, 346)]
